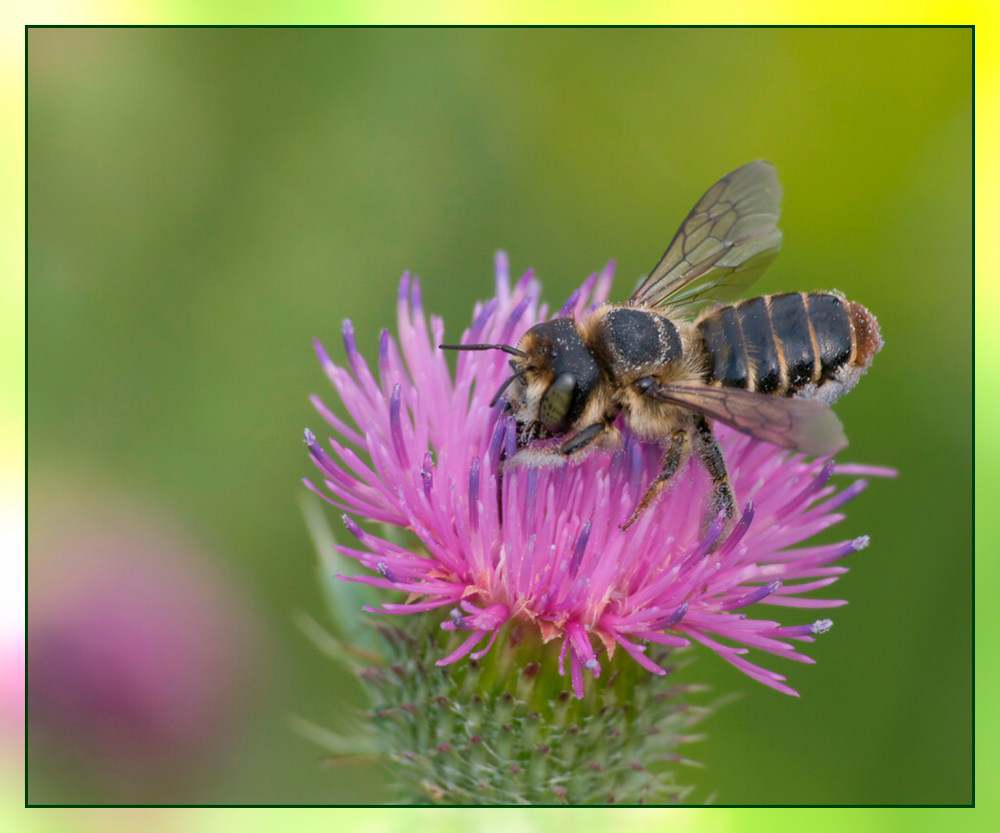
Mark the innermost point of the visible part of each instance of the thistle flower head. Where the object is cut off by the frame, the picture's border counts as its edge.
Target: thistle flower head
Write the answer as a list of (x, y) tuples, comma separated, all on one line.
[(544, 546)]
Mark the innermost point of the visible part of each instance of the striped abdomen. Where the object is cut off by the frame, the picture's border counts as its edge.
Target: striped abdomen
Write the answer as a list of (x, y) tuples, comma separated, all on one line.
[(779, 344)]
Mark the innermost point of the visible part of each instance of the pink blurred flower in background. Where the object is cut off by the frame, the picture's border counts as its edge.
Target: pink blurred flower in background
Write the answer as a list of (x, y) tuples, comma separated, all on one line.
[(139, 656)]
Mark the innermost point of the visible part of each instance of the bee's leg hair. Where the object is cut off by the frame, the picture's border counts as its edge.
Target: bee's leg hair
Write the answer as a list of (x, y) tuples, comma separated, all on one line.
[(721, 498), (500, 468), (675, 454)]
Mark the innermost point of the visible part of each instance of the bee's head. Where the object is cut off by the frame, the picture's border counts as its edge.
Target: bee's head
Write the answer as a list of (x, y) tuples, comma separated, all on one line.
[(554, 376)]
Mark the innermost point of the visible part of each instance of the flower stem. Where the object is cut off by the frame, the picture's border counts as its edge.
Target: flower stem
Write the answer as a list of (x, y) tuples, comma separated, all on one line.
[(507, 730)]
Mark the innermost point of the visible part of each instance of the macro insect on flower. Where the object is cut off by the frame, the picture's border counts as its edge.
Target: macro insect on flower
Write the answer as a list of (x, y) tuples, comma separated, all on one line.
[(769, 366), (580, 555)]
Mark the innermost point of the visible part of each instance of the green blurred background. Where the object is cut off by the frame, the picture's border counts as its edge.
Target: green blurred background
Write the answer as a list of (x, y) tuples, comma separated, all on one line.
[(201, 203)]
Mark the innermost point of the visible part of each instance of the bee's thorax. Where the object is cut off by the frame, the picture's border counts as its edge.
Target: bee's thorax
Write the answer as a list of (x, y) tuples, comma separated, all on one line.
[(632, 343)]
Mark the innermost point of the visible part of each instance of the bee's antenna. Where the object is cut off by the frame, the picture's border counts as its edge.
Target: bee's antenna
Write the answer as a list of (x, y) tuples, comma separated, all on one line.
[(503, 387), (505, 347)]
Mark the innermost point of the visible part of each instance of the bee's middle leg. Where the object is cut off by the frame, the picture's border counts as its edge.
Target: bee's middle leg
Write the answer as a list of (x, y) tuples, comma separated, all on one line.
[(675, 454)]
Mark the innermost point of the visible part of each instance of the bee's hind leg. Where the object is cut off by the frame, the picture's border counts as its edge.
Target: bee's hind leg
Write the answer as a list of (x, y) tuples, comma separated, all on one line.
[(675, 454), (721, 498)]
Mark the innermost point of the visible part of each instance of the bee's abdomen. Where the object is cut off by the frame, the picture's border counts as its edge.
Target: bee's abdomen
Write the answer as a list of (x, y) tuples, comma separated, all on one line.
[(779, 344)]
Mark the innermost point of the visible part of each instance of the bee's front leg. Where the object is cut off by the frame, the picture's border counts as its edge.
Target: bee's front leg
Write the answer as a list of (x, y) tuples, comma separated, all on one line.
[(675, 454), (583, 438)]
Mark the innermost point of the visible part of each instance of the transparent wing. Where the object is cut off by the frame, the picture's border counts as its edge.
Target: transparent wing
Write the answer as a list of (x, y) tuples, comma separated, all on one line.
[(727, 240), (802, 424)]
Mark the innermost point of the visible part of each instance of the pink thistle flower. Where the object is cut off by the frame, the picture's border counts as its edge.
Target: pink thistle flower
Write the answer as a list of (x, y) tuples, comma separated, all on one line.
[(544, 545)]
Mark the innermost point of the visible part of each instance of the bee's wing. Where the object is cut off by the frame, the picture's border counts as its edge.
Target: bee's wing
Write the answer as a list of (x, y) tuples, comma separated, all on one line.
[(727, 240), (802, 424)]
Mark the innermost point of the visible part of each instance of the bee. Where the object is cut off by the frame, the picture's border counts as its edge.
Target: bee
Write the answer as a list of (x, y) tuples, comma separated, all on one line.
[(679, 353)]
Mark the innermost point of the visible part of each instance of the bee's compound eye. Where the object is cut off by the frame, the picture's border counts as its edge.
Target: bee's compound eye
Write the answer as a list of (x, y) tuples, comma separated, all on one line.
[(556, 401)]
